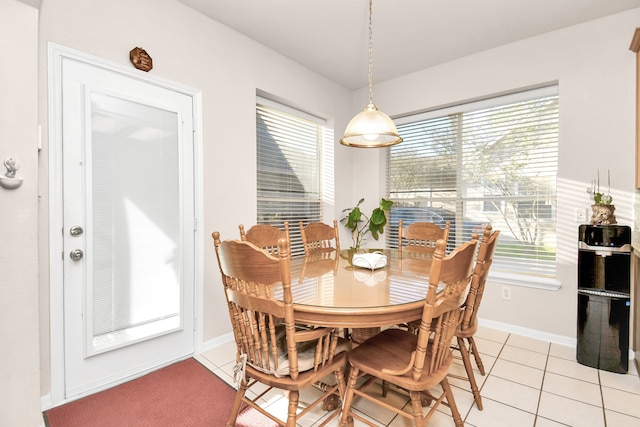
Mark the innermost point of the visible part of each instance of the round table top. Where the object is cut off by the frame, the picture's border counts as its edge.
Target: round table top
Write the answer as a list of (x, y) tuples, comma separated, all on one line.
[(329, 291)]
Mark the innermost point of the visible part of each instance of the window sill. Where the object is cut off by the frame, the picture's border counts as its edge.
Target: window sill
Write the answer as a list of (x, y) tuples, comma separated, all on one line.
[(525, 281)]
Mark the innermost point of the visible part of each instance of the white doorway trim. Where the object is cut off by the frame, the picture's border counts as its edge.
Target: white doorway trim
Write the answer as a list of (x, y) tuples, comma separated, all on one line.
[(56, 54)]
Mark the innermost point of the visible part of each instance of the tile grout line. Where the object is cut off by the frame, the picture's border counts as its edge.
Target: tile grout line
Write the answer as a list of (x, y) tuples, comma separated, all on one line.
[(604, 412), (544, 375)]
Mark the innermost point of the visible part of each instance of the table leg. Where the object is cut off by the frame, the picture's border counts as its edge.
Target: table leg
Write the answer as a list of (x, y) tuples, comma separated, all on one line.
[(360, 335)]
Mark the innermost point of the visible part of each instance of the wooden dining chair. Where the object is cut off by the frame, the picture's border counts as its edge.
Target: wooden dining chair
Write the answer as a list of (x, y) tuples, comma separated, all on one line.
[(469, 323), (417, 363), (265, 236), (318, 263), (271, 349), (320, 236), (416, 244), (419, 236)]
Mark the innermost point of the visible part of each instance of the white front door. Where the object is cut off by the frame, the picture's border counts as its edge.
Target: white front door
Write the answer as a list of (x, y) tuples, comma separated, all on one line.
[(127, 226)]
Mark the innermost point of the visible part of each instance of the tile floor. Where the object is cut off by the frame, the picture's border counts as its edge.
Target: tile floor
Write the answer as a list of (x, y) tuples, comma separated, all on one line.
[(528, 383)]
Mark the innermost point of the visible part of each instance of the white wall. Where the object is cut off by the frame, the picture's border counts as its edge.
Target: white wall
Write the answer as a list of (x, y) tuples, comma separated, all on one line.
[(228, 68), (19, 351), (595, 71)]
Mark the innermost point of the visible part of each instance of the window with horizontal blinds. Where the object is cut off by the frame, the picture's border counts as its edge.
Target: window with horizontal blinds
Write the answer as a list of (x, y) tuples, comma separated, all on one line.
[(288, 168), (490, 162)]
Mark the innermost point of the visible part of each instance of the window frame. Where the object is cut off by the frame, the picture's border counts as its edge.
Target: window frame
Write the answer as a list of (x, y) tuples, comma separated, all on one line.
[(546, 281), (287, 140)]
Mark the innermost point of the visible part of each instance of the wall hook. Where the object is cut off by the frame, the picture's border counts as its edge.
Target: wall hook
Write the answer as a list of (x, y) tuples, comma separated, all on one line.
[(10, 181)]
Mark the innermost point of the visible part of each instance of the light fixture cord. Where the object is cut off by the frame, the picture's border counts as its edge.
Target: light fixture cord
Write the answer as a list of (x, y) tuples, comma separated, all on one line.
[(370, 53)]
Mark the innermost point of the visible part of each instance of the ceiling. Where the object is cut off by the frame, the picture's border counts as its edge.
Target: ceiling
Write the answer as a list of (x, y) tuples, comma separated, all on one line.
[(331, 36)]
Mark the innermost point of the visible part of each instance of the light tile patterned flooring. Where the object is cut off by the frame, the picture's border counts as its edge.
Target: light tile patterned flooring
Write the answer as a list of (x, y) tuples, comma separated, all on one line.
[(528, 383)]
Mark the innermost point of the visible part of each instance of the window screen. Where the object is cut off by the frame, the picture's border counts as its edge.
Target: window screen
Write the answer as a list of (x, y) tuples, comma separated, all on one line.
[(489, 162)]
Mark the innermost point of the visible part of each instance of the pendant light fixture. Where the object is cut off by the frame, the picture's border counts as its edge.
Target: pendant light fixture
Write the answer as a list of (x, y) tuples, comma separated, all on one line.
[(371, 128)]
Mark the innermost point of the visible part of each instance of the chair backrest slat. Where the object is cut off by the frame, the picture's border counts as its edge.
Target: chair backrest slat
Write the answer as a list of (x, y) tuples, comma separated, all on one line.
[(265, 236), (421, 235), (320, 236)]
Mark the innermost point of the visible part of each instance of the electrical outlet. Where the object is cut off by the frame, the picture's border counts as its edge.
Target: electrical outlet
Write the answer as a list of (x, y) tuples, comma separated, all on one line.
[(506, 293)]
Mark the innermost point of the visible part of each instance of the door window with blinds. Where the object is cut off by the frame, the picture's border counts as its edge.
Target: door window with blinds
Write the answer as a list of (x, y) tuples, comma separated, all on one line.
[(289, 144), (489, 162)]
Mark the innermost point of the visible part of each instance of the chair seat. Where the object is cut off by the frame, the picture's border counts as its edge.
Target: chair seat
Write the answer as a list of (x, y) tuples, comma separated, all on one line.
[(305, 379), (392, 349), (306, 358)]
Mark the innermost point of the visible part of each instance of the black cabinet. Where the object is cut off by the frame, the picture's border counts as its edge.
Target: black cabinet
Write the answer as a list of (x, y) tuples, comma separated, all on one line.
[(604, 281)]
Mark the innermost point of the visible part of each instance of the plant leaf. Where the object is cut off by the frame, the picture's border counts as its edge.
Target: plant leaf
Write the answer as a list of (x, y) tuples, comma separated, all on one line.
[(377, 223), (378, 217), (385, 204), (354, 218)]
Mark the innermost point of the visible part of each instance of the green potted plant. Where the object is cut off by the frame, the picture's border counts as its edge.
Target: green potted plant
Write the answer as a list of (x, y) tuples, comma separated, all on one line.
[(361, 224)]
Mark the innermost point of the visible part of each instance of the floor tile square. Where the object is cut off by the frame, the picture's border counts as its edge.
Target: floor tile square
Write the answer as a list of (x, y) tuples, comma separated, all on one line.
[(573, 369), (489, 347), (518, 373), (626, 382), (616, 419), (562, 351), (511, 393), (222, 354), (527, 343), (543, 422), (572, 388), (570, 412), (491, 334), (524, 357), (496, 414), (621, 401)]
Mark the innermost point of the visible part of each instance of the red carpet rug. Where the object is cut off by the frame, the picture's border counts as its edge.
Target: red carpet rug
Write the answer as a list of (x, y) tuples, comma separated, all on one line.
[(185, 394)]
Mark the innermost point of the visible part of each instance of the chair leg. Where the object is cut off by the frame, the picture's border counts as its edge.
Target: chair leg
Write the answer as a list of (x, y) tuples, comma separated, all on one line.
[(332, 401), (294, 396), (235, 409), (457, 419), (345, 418), (385, 388), (416, 407), (466, 360), (476, 355), (340, 382)]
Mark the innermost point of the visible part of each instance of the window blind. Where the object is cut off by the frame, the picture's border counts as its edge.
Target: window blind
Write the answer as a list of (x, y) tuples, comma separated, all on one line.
[(288, 168), (491, 162)]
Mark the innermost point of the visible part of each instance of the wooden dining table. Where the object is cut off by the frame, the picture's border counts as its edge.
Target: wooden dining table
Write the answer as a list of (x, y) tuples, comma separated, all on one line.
[(328, 290)]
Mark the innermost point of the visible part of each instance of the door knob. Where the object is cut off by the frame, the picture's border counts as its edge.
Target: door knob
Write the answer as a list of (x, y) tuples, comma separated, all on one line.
[(76, 230), (76, 254)]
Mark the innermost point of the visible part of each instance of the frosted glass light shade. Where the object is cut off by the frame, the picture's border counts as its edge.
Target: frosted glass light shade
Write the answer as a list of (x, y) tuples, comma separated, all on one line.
[(371, 129)]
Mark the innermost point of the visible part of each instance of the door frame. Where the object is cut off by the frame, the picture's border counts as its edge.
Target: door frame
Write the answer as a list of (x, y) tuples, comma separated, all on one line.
[(55, 55)]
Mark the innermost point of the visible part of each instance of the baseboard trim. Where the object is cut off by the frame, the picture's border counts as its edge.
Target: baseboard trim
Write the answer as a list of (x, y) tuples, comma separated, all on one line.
[(217, 341), (527, 332)]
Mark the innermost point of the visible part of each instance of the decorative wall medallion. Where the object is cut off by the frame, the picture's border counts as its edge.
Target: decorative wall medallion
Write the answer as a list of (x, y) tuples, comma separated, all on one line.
[(140, 59)]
